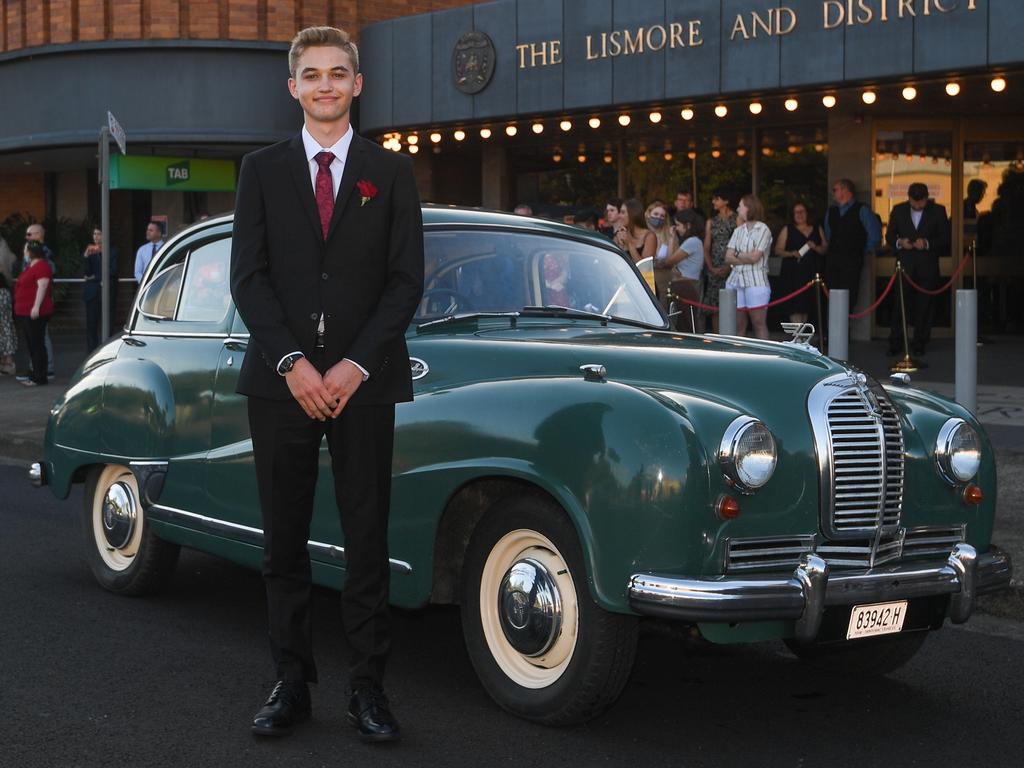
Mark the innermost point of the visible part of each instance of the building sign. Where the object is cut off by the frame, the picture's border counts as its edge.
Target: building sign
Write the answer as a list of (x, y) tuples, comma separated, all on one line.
[(172, 173), (748, 25), (473, 62)]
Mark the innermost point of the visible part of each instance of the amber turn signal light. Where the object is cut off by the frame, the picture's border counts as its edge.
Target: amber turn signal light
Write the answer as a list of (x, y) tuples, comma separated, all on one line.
[(972, 495), (728, 508)]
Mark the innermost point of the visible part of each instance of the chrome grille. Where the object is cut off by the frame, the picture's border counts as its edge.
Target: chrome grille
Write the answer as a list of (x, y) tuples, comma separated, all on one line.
[(856, 553), (766, 553), (860, 455), (930, 541)]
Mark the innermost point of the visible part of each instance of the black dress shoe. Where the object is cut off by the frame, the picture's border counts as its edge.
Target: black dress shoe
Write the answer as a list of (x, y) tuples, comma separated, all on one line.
[(287, 705), (369, 714)]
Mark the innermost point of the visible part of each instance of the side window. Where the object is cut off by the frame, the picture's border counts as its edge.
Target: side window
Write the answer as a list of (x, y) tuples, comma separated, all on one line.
[(206, 296), (190, 293)]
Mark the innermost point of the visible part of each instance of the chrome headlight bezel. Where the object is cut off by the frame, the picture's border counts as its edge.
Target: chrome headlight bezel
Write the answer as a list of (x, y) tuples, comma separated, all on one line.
[(946, 448), (729, 457)]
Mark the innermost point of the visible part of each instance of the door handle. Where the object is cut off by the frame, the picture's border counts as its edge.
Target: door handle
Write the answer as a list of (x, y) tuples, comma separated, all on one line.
[(131, 341), (235, 345)]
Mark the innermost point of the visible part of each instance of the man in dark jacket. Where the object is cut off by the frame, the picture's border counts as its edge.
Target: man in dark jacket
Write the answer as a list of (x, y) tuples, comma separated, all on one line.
[(918, 233)]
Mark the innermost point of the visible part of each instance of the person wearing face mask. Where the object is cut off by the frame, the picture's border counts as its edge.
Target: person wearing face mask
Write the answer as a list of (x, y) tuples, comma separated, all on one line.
[(665, 237)]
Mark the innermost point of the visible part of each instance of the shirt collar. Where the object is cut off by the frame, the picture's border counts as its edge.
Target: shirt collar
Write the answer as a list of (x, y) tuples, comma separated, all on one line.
[(339, 149)]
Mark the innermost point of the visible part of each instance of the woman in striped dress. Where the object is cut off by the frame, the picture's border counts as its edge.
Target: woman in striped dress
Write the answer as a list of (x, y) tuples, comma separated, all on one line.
[(747, 253)]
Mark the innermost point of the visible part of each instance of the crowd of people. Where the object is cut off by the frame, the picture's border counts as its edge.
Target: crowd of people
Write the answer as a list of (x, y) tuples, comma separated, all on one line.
[(27, 299), (696, 255)]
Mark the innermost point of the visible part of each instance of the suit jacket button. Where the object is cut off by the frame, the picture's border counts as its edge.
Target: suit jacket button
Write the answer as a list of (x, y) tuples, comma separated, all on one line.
[(324, 276), (314, 316)]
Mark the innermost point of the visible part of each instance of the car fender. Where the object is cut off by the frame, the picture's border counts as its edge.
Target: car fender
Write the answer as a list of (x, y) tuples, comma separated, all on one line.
[(623, 466)]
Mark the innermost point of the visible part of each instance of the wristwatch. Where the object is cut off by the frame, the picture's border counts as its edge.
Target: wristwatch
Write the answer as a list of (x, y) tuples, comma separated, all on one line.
[(288, 363)]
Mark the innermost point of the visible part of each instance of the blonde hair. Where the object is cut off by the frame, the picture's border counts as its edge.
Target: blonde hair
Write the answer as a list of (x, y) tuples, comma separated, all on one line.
[(665, 235), (311, 37)]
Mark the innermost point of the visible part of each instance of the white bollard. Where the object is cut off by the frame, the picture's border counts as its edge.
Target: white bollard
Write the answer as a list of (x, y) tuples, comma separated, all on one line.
[(727, 312), (839, 324), (967, 349)]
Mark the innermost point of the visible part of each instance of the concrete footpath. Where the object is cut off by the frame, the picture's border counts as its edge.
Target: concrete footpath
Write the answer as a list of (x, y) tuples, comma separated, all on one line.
[(24, 411)]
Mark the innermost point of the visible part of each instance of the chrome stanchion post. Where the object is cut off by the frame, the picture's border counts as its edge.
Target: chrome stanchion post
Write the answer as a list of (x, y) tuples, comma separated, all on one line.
[(839, 324), (907, 364), (819, 317), (727, 312), (967, 349)]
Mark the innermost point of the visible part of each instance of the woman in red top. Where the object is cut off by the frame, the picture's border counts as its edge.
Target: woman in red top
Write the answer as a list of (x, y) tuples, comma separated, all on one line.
[(33, 306)]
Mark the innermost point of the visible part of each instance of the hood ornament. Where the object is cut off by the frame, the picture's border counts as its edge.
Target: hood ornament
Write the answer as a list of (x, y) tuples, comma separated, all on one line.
[(802, 334)]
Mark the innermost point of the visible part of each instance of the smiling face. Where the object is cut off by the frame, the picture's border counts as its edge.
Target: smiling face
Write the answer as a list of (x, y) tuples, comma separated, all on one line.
[(325, 84)]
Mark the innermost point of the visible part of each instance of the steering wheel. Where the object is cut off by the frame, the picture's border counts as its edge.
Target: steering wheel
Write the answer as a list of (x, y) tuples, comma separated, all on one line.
[(458, 300)]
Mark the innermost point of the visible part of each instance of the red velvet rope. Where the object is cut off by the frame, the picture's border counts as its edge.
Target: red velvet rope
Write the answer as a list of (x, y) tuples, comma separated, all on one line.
[(784, 299), (937, 291), (873, 307)]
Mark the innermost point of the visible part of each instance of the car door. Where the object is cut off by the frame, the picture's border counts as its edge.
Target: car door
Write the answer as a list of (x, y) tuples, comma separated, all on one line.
[(176, 332), (230, 472)]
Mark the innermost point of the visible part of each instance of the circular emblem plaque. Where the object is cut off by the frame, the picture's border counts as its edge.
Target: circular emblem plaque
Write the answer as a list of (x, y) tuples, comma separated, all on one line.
[(473, 62)]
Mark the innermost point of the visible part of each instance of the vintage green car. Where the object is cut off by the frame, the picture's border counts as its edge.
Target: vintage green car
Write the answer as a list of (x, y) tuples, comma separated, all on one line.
[(569, 465)]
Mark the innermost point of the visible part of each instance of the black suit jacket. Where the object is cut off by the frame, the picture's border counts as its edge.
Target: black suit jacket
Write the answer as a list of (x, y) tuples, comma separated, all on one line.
[(367, 278), (934, 227)]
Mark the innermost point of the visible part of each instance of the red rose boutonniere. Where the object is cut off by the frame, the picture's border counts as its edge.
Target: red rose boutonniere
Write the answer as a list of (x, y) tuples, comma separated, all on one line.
[(366, 192)]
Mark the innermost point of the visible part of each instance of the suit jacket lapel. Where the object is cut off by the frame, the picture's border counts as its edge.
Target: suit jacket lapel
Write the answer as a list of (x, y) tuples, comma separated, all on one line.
[(299, 166), (349, 176)]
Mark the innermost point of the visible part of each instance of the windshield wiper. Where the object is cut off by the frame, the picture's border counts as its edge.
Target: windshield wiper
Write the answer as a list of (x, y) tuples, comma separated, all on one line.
[(559, 311), (467, 316), (554, 310)]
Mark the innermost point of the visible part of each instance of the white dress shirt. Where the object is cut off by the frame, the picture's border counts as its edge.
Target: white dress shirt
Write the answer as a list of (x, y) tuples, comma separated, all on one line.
[(143, 256), (340, 151)]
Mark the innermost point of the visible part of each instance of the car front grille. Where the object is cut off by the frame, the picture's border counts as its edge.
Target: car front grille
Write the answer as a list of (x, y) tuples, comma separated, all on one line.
[(784, 552)]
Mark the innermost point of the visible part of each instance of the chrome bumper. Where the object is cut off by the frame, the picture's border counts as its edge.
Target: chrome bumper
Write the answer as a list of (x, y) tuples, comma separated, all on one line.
[(36, 475), (805, 595)]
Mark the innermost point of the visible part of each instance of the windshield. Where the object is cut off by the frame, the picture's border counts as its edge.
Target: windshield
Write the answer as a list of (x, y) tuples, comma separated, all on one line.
[(495, 271)]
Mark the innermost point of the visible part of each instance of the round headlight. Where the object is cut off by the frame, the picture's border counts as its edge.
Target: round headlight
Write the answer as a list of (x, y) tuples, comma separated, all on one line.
[(958, 451), (747, 454)]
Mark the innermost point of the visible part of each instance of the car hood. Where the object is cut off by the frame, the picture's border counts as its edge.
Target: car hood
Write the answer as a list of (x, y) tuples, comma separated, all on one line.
[(740, 372)]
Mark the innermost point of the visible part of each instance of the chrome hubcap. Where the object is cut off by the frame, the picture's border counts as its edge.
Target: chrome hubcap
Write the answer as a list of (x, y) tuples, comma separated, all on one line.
[(119, 515), (529, 607)]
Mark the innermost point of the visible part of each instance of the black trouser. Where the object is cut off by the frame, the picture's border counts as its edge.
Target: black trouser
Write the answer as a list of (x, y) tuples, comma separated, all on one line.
[(34, 333), (286, 448), (923, 268), (842, 270), (93, 314)]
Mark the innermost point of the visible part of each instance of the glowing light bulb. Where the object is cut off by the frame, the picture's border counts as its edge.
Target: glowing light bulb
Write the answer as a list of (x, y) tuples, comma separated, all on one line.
[(655, 117), (537, 127), (413, 138), (716, 153), (952, 89), (686, 113), (511, 130), (869, 97), (828, 100), (485, 133), (755, 107), (594, 122), (998, 84), (624, 120), (459, 135), (691, 155), (435, 137), (581, 158), (413, 149), (565, 125), (721, 110), (791, 105)]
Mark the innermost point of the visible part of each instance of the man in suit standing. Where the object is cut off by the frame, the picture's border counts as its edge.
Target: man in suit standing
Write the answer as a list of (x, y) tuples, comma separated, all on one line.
[(326, 271), (918, 232)]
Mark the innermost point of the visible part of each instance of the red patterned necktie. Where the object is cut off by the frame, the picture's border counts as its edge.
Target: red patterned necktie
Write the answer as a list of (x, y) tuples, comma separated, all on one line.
[(324, 190)]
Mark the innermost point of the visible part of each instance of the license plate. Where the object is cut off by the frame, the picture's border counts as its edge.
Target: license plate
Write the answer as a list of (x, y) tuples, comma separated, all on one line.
[(876, 619)]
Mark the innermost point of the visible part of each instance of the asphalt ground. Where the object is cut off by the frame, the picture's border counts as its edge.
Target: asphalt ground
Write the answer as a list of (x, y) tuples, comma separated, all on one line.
[(91, 679)]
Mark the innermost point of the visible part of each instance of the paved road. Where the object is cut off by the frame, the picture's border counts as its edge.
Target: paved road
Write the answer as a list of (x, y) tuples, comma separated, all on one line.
[(90, 679)]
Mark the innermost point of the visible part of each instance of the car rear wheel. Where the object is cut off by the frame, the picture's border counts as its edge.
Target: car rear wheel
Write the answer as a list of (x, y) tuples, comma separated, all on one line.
[(543, 649), (869, 656), (124, 555)]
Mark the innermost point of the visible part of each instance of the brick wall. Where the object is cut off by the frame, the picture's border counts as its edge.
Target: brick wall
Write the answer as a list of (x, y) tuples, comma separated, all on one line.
[(22, 193), (31, 23)]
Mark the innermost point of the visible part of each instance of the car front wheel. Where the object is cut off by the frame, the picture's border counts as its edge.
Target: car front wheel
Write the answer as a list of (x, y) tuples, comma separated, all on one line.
[(124, 555), (543, 649)]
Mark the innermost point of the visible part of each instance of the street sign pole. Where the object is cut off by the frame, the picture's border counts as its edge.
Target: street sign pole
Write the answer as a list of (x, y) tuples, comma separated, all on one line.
[(105, 226)]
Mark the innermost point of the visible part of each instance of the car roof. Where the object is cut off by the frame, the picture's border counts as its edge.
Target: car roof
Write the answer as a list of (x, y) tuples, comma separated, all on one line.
[(436, 215)]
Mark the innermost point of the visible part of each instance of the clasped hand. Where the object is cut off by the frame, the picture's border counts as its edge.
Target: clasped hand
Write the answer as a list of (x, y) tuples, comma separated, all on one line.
[(323, 397)]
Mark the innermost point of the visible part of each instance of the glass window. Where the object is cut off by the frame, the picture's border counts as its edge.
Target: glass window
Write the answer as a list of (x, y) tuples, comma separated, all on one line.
[(206, 296), (161, 295), (504, 272)]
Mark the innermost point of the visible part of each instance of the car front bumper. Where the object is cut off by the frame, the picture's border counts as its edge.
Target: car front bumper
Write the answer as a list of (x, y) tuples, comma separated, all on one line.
[(804, 595)]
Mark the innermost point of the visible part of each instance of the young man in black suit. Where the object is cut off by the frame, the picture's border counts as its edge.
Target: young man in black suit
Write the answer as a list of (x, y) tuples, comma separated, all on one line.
[(918, 233), (326, 271)]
